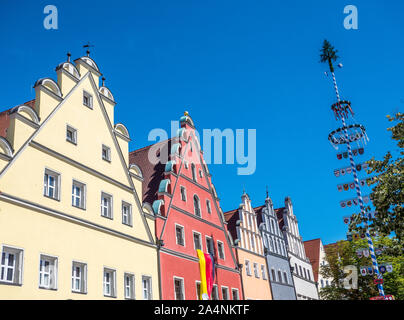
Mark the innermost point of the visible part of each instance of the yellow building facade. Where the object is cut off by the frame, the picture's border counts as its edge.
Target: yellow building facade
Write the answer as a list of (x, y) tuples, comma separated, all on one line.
[(72, 225), (242, 225)]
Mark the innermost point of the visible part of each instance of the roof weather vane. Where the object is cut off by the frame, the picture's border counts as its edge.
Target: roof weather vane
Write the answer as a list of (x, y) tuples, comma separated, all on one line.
[(88, 46)]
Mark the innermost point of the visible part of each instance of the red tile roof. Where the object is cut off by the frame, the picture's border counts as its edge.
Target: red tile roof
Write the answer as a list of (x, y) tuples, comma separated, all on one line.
[(258, 212), (279, 215), (152, 173), (5, 118), (231, 218), (312, 248)]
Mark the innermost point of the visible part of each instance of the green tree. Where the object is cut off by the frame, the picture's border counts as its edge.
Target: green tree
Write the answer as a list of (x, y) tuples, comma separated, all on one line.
[(387, 195), (343, 253)]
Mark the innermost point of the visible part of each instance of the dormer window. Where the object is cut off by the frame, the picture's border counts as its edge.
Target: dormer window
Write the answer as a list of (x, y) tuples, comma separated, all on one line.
[(106, 153), (87, 99)]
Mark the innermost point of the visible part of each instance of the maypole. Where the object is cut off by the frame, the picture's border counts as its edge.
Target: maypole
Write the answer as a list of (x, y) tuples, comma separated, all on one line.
[(347, 135)]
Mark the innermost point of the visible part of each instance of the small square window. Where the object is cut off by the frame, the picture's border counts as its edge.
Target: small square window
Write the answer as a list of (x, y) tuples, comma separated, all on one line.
[(247, 267), (106, 153), (71, 135), (129, 285), (78, 194), (51, 184), (264, 274), (200, 174), (179, 234), (47, 272), (256, 270), (106, 205), (183, 194), (11, 265), (87, 99), (179, 289), (235, 294), (225, 293), (198, 291), (79, 277), (126, 213), (208, 208), (210, 245), (215, 293), (109, 282)]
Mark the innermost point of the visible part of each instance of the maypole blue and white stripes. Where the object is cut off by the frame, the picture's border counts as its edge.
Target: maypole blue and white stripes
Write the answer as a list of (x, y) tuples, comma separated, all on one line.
[(359, 194)]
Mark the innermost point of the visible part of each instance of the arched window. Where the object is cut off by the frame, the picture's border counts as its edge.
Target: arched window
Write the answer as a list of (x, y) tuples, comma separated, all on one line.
[(193, 172), (197, 206)]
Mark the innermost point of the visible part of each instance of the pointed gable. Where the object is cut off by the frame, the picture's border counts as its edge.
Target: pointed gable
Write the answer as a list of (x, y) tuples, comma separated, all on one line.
[(312, 248)]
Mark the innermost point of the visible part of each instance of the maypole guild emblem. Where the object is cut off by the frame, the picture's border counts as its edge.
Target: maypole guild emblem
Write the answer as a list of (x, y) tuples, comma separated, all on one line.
[(339, 156), (336, 172), (363, 271), (366, 253), (339, 188), (346, 187), (370, 270), (361, 151), (359, 254), (389, 268), (382, 269), (346, 220)]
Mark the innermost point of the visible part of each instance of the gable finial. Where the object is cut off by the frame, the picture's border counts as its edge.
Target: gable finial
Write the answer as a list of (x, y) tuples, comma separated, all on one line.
[(267, 192), (88, 45), (186, 113), (68, 56), (103, 81)]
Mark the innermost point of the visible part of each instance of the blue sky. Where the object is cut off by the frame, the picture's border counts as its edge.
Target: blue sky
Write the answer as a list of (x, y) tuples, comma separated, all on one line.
[(231, 64)]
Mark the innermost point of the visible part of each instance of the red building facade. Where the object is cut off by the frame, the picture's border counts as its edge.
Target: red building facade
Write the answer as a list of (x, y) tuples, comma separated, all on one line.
[(188, 217)]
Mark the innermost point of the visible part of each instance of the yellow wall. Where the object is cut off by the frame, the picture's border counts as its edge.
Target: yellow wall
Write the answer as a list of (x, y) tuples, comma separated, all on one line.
[(254, 288), (37, 232)]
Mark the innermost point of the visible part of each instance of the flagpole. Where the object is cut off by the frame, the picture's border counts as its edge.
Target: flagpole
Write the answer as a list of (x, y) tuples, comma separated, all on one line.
[(331, 55)]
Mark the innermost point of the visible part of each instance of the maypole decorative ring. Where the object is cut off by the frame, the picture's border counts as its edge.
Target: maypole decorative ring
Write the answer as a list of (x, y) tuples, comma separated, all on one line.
[(355, 132), (342, 109)]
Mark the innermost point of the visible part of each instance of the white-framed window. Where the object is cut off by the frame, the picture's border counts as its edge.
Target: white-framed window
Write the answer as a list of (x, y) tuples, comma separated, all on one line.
[(247, 267), (106, 153), (71, 134), (279, 276), (193, 170), (256, 273), (215, 292), (200, 173), (308, 274), (78, 194), (129, 285), (87, 99), (106, 205), (11, 265), (322, 283), (225, 293), (198, 290), (220, 249), (48, 272), (79, 277), (179, 292), (183, 193), (197, 206), (197, 240), (146, 287), (51, 184), (208, 208), (109, 282), (179, 235), (273, 275), (263, 271), (126, 213), (235, 294), (209, 245)]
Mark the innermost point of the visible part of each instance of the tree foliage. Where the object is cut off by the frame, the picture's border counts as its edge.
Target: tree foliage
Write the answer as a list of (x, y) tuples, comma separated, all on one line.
[(387, 194), (343, 253)]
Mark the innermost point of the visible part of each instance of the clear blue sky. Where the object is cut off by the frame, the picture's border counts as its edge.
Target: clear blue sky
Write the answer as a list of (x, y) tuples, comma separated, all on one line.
[(232, 64)]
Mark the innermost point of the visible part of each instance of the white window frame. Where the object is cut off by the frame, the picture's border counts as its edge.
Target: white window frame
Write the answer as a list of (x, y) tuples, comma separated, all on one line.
[(200, 239), (207, 245), (131, 287), (264, 273), (82, 196), (182, 287), (73, 131), (129, 214), (280, 276), (200, 174), (185, 193), (198, 291), (52, 273), (227, 293), (199, 206), (107, 195), (182, 234), (232, 293), (256, 271), (247, 265), (285, 277), (220, 256), (108, 153), (273, 275), (112, 282), (90, 99), (17, 267), (56, 188), (82, 278), (149, 292)]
